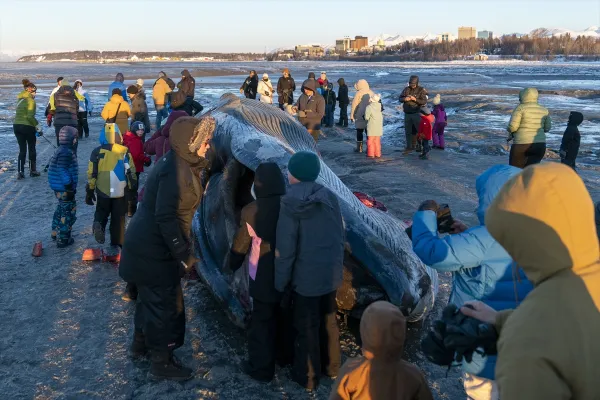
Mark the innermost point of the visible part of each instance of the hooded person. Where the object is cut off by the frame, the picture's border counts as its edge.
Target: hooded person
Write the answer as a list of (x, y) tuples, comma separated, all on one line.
[(118, 84), (139, 108), (548, 346), (64, 105), (133, 141), (117, 111), (360, 102), (63, 174), (161, 89), (441, 120), (481, 268), (528, 126), (85, 108), (159, 249), (183, 99), (250, 86), (569, 146), (265, 89), (187, 84), (256, 236), (158, 144), (413, 97), (343, 101), (285, 89), (25, 126), (311, 108), (425, 132), (380, 373), (374, 118), (311, 76), (309, 257)]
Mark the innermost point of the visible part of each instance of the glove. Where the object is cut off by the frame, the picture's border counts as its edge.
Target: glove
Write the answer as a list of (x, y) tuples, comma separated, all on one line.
[(563, 154), (90, 113), (148, 162), (49, 119), (90, 196), (302, 114), (39, 129), (429, 205)]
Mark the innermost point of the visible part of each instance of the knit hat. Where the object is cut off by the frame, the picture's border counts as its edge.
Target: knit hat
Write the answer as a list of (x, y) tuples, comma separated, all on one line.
[(265, 75), (140, 82), (375, 98), (437, 99), (137, 126), (304, 166), (132, 89)]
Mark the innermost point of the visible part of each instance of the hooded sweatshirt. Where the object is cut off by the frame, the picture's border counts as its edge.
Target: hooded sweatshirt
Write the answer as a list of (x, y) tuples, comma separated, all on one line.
[(360, 102), (572, 139), (187, 84), (159, 142), (118, 84), (481, 268), (310, 241), (313, 106), (548, 346), (413, 107), (530, 121), (63, 171), (25, 112), (380, 373), (257, 233)]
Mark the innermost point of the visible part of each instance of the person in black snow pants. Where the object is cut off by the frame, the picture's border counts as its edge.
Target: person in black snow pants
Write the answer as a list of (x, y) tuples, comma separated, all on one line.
[(569, 147), (25, 125), (329, 96), (413, 97), (343, 101), (285, 89), (65, 107), (250, 86), (158, 249)]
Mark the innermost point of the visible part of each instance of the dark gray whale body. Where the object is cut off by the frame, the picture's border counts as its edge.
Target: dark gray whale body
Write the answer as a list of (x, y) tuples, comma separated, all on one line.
[(379, 261)]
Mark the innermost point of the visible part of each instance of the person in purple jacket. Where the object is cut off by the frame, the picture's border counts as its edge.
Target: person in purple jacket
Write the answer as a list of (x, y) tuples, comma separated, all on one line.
[(441, 120)]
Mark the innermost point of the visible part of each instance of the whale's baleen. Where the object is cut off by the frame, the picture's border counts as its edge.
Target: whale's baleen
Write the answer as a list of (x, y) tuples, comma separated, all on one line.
[(379, 261)]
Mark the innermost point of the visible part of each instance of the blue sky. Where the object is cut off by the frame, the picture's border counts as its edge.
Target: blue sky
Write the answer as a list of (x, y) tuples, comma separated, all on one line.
[(253, 25)]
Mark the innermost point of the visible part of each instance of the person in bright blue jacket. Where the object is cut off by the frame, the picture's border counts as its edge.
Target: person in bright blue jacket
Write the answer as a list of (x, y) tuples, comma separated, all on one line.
[(118, 84), (63, 174), (481, 269)]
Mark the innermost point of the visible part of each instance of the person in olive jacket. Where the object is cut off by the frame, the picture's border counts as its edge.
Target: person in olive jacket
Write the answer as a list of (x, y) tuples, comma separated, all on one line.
[(158, 249), (343, 101), (268, 331), (413, 97), (310, 108)]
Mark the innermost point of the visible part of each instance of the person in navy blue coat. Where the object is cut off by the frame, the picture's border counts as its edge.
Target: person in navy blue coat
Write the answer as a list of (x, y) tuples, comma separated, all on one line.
[(481, 268), (63, 173)]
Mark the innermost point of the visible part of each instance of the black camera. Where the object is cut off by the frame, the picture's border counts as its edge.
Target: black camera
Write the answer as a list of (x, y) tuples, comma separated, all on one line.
[(444, 221)]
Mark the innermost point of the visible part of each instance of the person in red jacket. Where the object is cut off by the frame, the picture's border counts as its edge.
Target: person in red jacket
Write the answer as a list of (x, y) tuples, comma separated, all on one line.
[(425, 132), (133, 141)]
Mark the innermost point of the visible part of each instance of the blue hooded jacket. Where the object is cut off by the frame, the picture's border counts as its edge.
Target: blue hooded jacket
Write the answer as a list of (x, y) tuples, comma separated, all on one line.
[(63, 169), (118, 84), (481, 268)]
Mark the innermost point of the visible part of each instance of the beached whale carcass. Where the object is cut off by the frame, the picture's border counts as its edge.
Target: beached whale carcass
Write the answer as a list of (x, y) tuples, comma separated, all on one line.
[(379, 261)]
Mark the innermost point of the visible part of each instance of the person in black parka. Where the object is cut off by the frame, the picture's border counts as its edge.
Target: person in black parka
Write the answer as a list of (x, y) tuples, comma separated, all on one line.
[(250, 86), (343, 101), (268, 334), (158, 248), (285, 89), (571, 140)]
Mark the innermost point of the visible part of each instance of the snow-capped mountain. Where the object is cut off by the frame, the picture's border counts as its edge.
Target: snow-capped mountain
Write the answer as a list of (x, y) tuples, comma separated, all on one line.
[(592, 31), (392, 40)]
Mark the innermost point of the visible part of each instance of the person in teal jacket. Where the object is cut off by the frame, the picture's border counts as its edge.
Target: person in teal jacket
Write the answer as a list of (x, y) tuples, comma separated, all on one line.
[(481, 269)]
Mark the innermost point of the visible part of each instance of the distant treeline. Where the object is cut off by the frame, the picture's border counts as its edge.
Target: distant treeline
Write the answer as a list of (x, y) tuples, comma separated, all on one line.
[(99, 56)]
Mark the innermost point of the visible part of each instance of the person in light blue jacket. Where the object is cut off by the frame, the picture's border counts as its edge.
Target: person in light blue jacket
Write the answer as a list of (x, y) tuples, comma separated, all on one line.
[(481, 269), (118, 84)]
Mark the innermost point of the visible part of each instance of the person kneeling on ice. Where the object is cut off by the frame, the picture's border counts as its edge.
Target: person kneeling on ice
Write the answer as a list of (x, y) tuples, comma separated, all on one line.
[(268, 332), (569, 146), (63, 173), (159, 249), (374, 118), (425, 133), (481, 268), (380, 373), (309, 258), (133, 141), (441, 120), (548, 345), (111, 171)]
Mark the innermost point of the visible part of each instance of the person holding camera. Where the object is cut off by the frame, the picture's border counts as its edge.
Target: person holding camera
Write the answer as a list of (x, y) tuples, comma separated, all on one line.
[(310, 108), (285, 89), (481, 268)]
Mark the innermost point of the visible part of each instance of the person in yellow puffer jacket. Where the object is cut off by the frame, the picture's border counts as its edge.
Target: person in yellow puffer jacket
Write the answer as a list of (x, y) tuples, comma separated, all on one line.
[(117, 110), (548, 346), (110, 171)]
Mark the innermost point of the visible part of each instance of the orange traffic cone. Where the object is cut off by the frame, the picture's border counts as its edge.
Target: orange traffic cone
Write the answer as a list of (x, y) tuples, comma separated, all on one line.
[(92, 254)]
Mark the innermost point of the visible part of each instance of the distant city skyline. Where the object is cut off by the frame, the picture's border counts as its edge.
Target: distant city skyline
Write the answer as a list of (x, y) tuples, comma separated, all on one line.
[(256, 26)]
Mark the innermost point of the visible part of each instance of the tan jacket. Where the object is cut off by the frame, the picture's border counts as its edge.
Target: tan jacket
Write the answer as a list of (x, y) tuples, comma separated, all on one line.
[(381, 374), (360, 102), (549, 346), (159, 92), (110, 110)]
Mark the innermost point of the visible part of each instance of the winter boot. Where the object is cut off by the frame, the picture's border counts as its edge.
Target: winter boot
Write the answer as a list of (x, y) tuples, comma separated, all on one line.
[(98, 232), (61, 244), (21, 169), (359, 147), (340, 123), (166, 366), (20, 175), (138, 347), (32, 170)]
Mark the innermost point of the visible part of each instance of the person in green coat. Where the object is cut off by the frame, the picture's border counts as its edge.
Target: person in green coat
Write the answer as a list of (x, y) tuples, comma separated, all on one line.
[(528, 126), (25, 126)]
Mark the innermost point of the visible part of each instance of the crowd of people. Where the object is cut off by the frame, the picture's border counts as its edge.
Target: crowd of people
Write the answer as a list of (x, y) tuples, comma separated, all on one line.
[(537, 285)]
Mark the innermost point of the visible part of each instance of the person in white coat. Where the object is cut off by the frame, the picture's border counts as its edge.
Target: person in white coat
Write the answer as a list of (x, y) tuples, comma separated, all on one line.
[(265, 89)]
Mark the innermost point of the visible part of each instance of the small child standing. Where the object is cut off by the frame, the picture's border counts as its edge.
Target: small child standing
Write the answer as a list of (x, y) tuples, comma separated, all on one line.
[(571, 140), (330, 100), (380, 373), (63, 173), (110, 171), (374, 118), (133, 141), (441, 120), (425, 132)]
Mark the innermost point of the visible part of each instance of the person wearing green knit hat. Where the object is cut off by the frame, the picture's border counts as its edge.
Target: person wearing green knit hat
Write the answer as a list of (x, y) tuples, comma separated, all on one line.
[(309, 255)]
